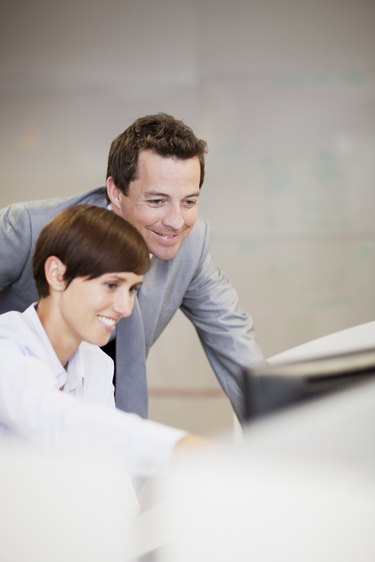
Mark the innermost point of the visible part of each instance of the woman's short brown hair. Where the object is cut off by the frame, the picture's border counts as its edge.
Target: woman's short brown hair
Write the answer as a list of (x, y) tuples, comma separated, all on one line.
[(90, 241)]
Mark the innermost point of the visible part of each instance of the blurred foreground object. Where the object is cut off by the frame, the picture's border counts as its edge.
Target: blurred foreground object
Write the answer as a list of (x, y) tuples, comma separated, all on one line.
[(63, 507), (300, 487)]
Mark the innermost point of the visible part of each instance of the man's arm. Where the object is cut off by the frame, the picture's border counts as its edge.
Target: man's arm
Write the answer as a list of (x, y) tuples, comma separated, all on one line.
[(226, 333), (20, 225), (15, 243)]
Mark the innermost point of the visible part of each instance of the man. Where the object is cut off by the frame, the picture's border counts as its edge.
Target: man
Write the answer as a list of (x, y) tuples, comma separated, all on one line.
[(55, 382), (154, 176)]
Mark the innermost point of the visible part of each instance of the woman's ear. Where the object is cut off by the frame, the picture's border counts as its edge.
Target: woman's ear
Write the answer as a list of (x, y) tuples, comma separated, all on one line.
[(114, 193), (54, 270)]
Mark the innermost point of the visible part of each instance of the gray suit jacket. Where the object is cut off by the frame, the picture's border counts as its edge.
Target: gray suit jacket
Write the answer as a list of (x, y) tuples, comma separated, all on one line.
[(190, 282)]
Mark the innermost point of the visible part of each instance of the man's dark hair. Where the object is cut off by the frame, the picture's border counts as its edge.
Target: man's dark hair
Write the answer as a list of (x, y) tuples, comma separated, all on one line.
[(90, 241), (162, 134)]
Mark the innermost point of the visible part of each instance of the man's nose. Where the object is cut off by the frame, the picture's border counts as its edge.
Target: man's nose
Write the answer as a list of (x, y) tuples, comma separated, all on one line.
[(173, 217)]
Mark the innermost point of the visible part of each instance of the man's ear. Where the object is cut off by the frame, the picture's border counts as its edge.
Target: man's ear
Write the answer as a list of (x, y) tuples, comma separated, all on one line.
[(54, 270), (114, 193)]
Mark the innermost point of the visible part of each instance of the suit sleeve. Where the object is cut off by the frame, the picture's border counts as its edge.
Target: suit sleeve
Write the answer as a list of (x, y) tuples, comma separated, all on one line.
[(15, 243), (226, 333)]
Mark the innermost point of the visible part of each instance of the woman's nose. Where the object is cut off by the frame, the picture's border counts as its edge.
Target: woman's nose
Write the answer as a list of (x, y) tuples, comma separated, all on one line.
[(124, 304)]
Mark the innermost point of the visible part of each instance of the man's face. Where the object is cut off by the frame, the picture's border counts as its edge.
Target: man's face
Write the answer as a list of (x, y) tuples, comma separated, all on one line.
[(162, 203)]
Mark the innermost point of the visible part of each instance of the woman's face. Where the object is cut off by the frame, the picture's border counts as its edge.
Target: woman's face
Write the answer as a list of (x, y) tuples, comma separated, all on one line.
[(90, 309)]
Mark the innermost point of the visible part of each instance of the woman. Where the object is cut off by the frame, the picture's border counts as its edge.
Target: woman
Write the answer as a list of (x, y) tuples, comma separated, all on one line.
[(55, 381)]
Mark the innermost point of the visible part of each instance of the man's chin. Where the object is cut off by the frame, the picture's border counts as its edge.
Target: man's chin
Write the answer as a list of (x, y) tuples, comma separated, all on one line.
[(165, 253)]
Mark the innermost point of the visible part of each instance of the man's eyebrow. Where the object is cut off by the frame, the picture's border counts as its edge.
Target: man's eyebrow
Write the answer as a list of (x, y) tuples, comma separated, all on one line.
[(161, 194), (196, 194), (155, 194)]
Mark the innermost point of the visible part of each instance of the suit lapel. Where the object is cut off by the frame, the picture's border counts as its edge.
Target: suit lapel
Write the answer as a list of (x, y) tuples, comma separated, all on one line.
[(134, 336), (131, 382), (152, 296)]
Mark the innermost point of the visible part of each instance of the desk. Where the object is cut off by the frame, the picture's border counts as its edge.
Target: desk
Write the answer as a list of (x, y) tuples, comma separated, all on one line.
[(301, 487), (355, 338)]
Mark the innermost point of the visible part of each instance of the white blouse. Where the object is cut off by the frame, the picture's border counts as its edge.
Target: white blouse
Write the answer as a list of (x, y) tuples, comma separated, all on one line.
[(83, 416)]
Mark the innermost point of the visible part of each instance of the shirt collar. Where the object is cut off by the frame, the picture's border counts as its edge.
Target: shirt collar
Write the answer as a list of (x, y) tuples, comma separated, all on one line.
[(71, 377)]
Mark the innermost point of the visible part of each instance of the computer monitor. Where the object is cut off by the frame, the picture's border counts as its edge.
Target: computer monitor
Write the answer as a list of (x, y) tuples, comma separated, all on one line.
[(271, 388)]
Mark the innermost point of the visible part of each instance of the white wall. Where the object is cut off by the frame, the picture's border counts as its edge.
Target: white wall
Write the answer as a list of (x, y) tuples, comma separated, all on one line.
[(284, 93)]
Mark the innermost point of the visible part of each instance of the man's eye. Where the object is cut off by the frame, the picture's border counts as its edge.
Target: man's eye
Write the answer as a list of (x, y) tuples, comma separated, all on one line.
[(190, 202), (110, 285), (156, 202)]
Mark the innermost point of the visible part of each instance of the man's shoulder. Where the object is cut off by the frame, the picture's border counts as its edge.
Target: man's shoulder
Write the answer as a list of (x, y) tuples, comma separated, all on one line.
[(50, 207)]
